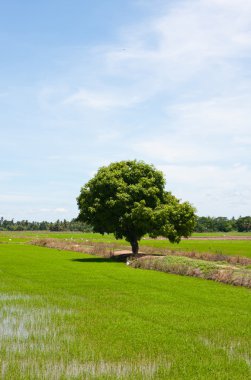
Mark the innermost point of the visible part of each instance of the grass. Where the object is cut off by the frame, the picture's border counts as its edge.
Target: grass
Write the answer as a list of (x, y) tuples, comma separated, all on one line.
[(234, 270), (24, 236), (221, 234), (66, 315), (218, 271), (111, 249), (225, 247)]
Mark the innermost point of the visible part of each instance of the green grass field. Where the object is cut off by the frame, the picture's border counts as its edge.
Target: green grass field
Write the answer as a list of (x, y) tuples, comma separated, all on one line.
[(66, 315), (226, 247)]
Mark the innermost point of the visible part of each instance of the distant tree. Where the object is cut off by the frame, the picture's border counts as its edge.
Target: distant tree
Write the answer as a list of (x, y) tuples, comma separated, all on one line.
[(233, 224), (210, 224), (128, 199), (223, 224), (203, 224), (243, 224), (57, 226), (25, 225)]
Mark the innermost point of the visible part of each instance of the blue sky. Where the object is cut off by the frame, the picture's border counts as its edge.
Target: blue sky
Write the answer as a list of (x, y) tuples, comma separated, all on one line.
[(86, 83)]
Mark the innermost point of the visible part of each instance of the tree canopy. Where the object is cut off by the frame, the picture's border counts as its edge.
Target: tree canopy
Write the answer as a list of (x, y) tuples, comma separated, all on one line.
[(128, 199)]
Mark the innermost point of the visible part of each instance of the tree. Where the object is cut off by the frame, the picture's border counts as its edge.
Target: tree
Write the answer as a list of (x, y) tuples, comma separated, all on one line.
[(211, 224), (128, 199), (243, 224)]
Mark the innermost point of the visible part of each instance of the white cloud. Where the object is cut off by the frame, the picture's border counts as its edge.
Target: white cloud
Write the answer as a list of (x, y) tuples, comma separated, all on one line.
[(102, 100), (200, 40), (192, 36), (61, 210), (17, 198), (192, 58), (212, 189), (175, 91), (210, 176), (215, 130), (12, 198), (221, 115), (171, 149)]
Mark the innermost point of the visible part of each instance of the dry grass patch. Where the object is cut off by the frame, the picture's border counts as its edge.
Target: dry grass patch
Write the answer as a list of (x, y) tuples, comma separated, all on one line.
[(221, 272), (235, 260), (93, 248), (109, 250)]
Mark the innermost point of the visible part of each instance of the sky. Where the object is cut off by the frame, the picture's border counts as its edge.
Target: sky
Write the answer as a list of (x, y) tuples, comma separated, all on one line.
[(84, 83)]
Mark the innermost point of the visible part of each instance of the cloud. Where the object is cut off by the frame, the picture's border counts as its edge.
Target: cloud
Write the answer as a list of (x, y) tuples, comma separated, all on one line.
[(102, 100), (210, 176), (190, 56), (188, 68), (174, 90), (17, 198), (12, 199), (190, 37), (222, 115), (61, 210), (212, 189), (197, 40), (217, 130), (171, 149)]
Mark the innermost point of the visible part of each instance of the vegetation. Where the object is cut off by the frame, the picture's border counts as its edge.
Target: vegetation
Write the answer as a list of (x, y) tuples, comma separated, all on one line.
[(222, 224), (217, 271), (203, 224), (128, 199), (234, 270), (221, 247), (244, 224), (66, 315), (111, 249), (25, 225)]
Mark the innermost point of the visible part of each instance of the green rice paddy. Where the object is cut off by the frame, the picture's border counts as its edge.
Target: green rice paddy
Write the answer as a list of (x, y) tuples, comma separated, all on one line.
[(226, 247), (66, 315)]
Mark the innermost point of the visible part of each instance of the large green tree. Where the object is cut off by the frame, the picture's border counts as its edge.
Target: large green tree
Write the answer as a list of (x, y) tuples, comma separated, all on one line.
[(128, 199)]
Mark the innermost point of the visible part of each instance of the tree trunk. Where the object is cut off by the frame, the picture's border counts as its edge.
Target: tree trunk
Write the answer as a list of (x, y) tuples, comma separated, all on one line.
[(135, 246)]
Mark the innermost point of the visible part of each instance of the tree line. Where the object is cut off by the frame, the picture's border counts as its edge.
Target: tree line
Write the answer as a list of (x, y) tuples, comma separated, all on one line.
[(203, 224), (223, 224), (58, 225)]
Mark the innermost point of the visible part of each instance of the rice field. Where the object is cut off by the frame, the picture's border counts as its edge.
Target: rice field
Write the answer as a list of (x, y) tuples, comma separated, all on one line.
[(225, 247), (68, 315)]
